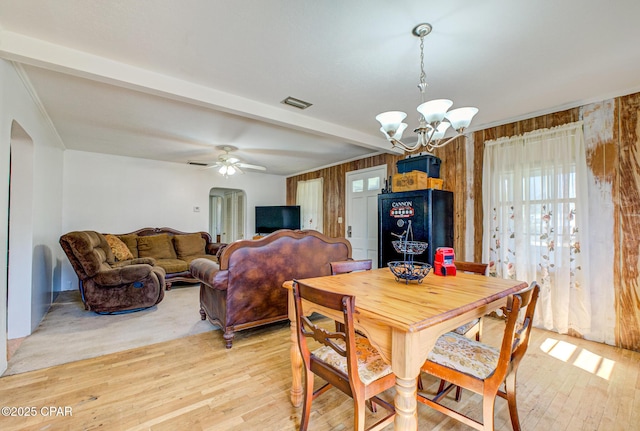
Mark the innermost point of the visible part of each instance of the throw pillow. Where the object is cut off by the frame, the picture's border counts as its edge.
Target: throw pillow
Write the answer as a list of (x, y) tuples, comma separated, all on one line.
[(156, 246), (131, 240), (119, 248), (189, 245)]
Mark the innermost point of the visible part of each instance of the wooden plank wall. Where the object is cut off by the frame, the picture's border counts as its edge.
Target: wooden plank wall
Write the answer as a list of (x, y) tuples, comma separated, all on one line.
[(627, 222), (613, 158), (334, 188)]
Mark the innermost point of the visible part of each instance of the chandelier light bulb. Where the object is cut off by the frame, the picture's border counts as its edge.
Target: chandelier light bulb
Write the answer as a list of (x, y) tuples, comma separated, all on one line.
[(434, 111), (231, 170), (392, 124), (440, 131), (461, 118), (223, 170)]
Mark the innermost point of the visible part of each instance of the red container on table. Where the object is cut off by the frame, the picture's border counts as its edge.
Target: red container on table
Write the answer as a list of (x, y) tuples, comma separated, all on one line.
[(443, 261)]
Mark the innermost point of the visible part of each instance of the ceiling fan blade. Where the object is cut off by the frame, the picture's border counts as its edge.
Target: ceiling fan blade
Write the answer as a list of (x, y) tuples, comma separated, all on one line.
[(213, 165), (237, 168), (248, 166)]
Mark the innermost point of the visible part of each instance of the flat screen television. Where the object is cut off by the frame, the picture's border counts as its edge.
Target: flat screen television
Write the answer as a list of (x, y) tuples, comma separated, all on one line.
[(272, 218)]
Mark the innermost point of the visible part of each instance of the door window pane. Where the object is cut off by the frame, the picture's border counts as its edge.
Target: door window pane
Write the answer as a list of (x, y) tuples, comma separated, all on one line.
[(357, 186), (373, 183)]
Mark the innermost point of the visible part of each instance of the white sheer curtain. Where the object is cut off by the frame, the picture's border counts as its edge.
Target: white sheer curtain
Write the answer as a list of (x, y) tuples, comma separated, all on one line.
[(310, 198), (536, 221)]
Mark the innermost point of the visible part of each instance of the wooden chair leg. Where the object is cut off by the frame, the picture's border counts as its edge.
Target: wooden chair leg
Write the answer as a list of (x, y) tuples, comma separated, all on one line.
[(458, 393), (359, 413), (458, 389), (510, 388), (371, 405), (488, 404), (306, 402)]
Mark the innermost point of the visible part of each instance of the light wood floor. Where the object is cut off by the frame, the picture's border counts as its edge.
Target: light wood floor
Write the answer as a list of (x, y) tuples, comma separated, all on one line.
[(194, 383)]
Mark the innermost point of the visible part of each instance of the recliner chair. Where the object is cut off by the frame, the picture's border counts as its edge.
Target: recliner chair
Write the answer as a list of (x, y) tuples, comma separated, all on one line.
[(108, 286)]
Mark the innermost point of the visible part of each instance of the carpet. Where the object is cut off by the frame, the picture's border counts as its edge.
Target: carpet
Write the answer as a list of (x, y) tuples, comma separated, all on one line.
[(70, 333)]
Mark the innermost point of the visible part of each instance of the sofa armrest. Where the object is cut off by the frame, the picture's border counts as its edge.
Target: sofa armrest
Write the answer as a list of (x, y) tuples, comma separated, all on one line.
[(137, 261), (209, 273), (214, 247), (122, 275)]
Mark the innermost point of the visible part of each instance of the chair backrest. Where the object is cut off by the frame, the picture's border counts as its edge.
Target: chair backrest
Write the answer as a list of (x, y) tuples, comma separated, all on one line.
[(474, 267), (88, 252), (342, 343), (345, 266), (517, 329)]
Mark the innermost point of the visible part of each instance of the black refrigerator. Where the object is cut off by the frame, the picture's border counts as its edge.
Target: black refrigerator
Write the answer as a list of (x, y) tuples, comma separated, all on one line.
[(431, 215)]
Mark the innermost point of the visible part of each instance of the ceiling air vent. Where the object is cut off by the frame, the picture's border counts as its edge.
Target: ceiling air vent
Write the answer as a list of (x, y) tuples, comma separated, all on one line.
[(197, 163), (296, 103)]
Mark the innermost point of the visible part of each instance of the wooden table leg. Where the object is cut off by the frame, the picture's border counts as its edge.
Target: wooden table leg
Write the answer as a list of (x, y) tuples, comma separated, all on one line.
[(409, 351), (406, 404), (294, 353), (296, 368)]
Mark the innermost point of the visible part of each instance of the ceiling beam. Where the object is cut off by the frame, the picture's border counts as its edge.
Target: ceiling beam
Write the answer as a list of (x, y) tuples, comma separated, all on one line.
[(36, 52)]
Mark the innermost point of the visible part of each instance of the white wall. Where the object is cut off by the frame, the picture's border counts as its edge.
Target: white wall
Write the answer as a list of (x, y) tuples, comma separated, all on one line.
[(115, 194), (16, 104)]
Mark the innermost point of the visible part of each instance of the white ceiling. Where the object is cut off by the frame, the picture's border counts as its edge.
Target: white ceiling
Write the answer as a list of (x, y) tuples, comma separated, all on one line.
[(174, 79)]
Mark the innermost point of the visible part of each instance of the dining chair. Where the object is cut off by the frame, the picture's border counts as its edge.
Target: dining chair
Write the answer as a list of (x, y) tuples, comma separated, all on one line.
[(471, 329), (344, 360), (482, 368), (345, 266)]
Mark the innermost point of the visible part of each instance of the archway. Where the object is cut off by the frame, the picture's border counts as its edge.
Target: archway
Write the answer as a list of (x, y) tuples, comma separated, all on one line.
[(20, 234), (227, 209)]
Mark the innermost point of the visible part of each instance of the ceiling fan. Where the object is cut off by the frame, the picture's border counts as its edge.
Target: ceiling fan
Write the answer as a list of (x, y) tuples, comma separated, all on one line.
[(229, 165)]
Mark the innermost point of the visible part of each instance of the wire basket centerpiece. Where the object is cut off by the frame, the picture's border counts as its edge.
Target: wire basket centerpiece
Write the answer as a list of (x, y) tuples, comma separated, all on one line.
[(408, 269)]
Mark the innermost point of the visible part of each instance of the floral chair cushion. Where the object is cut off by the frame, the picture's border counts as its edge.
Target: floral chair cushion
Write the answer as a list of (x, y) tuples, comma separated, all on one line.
[(471, 357), (370, 364)]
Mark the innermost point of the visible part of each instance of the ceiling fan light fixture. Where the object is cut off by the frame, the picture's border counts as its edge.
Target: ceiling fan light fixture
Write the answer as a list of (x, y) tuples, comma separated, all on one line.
[(228, 165)]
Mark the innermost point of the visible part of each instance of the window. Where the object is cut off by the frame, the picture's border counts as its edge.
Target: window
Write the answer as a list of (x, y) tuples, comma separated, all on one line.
[(309, 196), (535, 208)]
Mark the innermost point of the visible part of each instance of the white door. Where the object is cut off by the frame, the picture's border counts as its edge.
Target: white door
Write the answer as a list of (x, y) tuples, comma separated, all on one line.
[(361, 208), (234, 216)]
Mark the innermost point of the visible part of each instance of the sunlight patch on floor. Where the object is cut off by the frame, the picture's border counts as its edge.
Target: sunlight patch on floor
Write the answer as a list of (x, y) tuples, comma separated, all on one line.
[(584, 359)]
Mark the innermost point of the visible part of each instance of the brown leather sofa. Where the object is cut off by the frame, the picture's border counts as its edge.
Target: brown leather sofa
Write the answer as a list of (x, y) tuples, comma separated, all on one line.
[(245, 289), (172, 249), (109, 286)]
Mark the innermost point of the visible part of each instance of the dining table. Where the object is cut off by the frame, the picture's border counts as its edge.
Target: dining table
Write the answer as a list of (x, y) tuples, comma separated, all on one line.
[(403, 319)]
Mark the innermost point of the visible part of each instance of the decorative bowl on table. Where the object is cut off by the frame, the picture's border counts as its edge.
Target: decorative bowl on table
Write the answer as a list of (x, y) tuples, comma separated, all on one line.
[(409, 270), (409, 247)]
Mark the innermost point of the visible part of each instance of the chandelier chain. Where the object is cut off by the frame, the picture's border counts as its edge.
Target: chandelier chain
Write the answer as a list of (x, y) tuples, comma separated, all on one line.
[(434, 116), (422, 74), (423, 83)]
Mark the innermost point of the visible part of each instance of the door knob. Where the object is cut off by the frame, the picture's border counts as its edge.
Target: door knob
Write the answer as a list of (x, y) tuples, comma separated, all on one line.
[(349, 232)]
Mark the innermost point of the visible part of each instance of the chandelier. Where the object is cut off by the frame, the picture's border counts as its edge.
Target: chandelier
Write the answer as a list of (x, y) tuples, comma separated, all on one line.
[(435, 117)]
